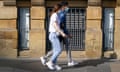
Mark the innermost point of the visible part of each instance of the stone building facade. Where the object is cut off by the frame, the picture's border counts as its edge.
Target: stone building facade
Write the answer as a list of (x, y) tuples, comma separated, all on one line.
[(23, 28)]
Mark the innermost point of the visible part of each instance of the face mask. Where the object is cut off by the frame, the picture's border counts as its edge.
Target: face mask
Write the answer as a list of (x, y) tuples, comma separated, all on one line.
[(59, 11), (66, 9)]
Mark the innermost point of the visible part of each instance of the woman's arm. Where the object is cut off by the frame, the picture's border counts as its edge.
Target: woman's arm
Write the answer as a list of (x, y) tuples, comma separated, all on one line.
[(59, 30)]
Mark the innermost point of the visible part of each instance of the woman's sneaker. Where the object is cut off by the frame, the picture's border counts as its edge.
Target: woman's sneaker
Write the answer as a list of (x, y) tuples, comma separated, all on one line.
[(50, 65), (43, 60), (72, 63), (57, 67)]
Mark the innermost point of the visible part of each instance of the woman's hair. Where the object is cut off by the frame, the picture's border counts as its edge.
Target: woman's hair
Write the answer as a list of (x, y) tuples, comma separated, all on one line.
[(56, 8)]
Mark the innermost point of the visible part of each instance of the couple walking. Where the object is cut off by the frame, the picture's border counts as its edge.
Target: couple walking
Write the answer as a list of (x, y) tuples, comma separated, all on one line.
[(58, 33)]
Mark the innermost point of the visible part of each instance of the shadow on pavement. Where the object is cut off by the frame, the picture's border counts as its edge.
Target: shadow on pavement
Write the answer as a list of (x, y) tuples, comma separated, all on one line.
[(92, 62)]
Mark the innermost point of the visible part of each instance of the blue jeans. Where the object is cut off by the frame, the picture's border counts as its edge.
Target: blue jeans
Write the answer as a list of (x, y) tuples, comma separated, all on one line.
[(55, 46)]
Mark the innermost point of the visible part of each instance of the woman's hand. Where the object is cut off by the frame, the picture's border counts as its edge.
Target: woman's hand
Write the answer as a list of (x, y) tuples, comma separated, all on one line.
[(64, 35)]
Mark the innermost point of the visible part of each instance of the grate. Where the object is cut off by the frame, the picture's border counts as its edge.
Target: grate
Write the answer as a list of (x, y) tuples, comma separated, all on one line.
[(75, 23)]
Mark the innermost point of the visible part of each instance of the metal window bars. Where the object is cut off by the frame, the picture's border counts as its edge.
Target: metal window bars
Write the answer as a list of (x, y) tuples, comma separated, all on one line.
[(75, 23)]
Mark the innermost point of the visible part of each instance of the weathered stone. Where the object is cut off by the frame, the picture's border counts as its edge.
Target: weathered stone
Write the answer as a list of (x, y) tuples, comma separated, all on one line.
[(25, 3), (8, 24), (94, 2), (2, 43), (118, 2), (9, 2), (38, 12), (8, 12), (37, 24), (117, 39), (1, 3), (117, 13), (37, 2), (8, 48), (93, 39), (107, 3), (94, 12), (82, 3), (11, 43), (2, 33), (93, 44), (110, 54), (11, 34)]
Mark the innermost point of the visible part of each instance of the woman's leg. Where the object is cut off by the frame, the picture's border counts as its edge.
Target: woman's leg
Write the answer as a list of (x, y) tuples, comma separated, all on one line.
[(56, 49), (56, 52)]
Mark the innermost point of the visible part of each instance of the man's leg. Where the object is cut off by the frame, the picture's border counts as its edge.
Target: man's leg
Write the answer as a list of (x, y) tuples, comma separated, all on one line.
[(49, 54), (68, 50)]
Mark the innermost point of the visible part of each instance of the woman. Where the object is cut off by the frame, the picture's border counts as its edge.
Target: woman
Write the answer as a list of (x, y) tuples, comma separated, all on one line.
[(55, 31)]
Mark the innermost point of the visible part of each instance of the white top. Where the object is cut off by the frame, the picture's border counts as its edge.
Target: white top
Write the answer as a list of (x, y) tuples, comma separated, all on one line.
[(54, 18)]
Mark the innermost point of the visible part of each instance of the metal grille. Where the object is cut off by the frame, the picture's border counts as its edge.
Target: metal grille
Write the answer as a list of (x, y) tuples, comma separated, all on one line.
[(75, 23)]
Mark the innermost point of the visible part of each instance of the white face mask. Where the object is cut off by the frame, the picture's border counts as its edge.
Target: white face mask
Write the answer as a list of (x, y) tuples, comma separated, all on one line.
[(66, 9), (59, 11)]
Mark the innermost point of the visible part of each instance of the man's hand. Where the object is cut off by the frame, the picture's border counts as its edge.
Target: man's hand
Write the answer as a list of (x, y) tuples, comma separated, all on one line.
[(64, 35), (70, 36)]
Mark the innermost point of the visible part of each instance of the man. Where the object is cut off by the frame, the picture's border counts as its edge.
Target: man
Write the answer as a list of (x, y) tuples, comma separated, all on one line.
[(65, 41), (62, 16)]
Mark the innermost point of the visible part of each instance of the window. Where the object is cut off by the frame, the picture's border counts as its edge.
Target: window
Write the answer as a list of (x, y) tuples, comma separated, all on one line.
[(108, 29), (75, 23), (23, 28)]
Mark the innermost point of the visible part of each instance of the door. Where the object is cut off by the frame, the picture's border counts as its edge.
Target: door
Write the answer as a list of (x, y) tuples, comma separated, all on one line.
[(108, 29), (23, 28)]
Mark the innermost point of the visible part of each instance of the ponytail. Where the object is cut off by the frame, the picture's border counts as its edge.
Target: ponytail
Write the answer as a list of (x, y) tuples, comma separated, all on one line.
[(56, 8)]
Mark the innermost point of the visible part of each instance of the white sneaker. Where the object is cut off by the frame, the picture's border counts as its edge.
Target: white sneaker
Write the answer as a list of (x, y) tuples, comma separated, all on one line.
[(72, 63), (50, 65), (57, 67), (43, 60)]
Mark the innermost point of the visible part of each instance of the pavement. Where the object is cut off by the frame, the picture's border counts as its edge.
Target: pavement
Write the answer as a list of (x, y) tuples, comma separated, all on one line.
[(34, 65)]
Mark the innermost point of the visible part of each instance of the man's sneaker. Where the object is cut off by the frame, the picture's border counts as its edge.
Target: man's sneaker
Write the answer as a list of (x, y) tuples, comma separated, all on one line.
[(72, 63), (57, 67), (50, 65), (43, 60)]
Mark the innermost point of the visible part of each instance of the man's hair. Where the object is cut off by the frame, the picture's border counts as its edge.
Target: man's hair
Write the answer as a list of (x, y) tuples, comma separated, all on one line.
[(64, 3)]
